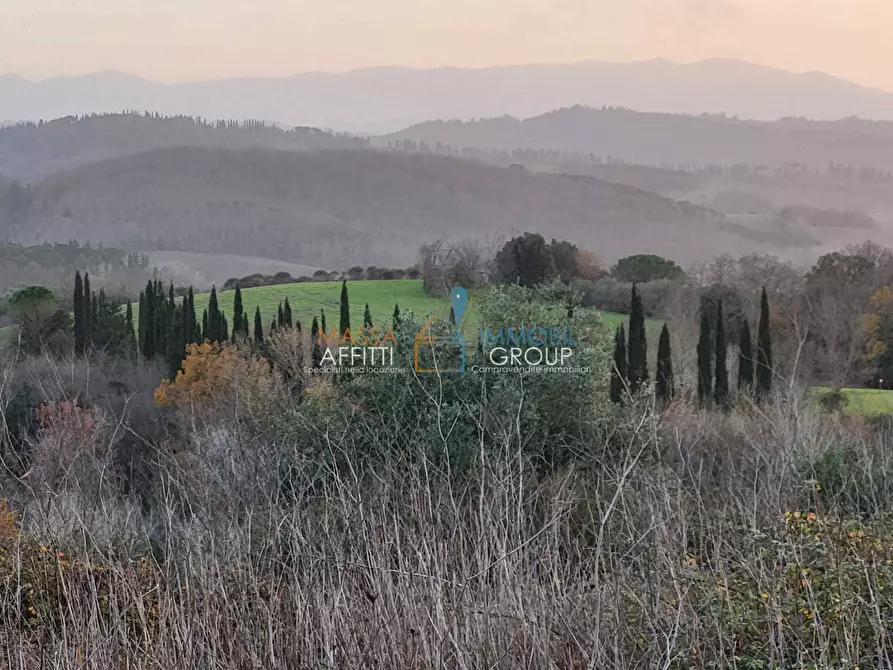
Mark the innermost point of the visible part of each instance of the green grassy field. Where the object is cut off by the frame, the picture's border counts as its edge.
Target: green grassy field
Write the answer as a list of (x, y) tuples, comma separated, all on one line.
[(862, 401), (307, 298)]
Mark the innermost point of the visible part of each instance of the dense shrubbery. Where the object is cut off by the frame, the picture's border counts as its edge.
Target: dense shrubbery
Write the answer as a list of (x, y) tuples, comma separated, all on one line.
[(264, 517)]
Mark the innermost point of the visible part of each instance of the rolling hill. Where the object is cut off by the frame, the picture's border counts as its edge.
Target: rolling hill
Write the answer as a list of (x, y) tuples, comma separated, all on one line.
[(339, 208), (669, 139), (30, 151)]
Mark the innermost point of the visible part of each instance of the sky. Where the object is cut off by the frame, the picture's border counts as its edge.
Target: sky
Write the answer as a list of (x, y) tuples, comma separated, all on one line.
[(186, 40)]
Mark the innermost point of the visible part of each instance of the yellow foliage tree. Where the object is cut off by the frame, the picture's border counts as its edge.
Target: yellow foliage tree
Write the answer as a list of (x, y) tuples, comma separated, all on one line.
[(876, 328), (215, 374)]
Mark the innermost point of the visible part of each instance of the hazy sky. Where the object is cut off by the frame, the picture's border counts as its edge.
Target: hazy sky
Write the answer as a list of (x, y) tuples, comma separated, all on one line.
[(177, 40)]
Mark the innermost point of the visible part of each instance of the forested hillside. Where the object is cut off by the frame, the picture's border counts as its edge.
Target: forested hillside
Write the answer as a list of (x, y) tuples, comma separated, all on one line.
[(338, 208), (672, 139), (29, 151)]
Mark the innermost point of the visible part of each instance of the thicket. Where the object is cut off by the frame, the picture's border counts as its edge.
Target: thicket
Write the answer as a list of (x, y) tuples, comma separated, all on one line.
[(251, 514)]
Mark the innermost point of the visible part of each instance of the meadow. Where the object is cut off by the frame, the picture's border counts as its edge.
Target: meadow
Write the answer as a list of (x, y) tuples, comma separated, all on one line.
[(308, 298), (863, 401)]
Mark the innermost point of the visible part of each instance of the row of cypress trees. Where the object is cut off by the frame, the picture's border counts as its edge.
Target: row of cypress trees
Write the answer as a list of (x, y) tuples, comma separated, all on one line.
[(755, 369), (97, 322), (630, 369), (167, 325)]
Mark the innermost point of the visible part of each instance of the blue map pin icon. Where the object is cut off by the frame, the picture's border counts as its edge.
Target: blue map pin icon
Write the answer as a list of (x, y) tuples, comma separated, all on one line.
[(459, 298)]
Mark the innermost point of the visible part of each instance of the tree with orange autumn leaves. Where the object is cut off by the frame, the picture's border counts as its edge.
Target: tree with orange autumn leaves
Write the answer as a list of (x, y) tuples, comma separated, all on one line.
[(216, 374)]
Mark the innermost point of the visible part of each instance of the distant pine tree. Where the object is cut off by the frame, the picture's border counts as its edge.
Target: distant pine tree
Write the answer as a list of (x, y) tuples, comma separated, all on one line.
[(721, 383), (764, 370), (258, 327), (618, 370), (367, 317), (705, 360), (80, 340), (745, 358), (666, 387)]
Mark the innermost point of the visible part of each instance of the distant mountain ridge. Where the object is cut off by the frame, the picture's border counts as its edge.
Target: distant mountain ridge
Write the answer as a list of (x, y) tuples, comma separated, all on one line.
[(386, 99)]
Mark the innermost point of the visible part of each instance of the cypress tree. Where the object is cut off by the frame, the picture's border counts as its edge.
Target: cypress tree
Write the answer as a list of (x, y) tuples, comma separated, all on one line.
[(705, 360), (223, 328), (287, 315), (147, 319), (666, 386), (721, 384), (94, 321), (764, 350), (160, 315), (396, 315), (205, 327), (637, 344), (213, 333), (344, 321), (745, 358), (322, 321), (258, 327), (238, 312), (273, 327), (130, 336), (452, 317), (174, 350), (79, 327), (189, 317), (367, 317), (314, 342), (280, 317), (618, 371), (245, 326), (88, 313)]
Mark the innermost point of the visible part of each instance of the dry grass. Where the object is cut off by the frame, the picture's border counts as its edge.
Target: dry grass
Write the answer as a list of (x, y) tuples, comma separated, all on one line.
[(669, 550)]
